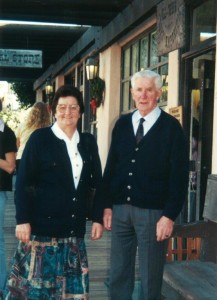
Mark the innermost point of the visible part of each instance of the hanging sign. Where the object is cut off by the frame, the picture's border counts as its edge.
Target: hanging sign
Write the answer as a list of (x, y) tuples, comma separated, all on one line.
[(20, 58), (170, 25)]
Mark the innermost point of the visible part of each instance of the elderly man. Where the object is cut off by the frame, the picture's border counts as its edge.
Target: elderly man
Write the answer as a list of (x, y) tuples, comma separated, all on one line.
[(145, 183)]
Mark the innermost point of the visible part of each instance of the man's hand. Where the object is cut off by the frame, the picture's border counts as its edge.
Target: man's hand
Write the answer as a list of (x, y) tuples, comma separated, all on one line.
[(107, 218), (9, 163), (164, 228), (23, 232), (96, 231)]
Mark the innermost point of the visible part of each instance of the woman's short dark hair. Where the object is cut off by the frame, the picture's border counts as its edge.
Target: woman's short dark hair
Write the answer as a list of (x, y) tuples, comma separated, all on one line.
[(64, 91)]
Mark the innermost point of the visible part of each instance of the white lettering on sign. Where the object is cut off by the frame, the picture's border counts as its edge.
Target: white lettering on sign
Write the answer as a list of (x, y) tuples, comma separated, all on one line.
[(20, 58)]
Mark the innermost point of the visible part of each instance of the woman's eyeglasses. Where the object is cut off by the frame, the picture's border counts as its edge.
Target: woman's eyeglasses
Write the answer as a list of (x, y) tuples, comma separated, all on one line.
[(72, 108)]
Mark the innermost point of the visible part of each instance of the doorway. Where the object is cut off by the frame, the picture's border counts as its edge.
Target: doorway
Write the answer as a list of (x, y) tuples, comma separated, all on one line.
[(201, 131)]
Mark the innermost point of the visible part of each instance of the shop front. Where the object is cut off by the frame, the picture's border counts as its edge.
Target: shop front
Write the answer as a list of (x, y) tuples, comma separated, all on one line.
[(199, 64)]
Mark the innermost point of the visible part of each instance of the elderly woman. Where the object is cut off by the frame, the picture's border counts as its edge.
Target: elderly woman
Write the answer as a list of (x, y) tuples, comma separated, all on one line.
[(58, 167)]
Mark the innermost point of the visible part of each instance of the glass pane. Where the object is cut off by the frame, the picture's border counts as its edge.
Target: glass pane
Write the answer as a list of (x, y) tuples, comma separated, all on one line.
[(194, 150), (164, 75), (164, 58), (73, 78), (144, 53), (135, 60), (153, 48), (126, 71), (81, 76), (132, 103), (204, 22), (164, 70), (154, 69), (125, 96)]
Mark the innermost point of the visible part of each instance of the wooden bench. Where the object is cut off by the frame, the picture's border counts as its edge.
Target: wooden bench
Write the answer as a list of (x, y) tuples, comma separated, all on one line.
[(191, 270)]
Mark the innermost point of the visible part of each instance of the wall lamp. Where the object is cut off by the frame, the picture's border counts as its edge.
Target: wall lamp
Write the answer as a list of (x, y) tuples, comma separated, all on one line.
[(91, 68), (97, 85), (49, 90)]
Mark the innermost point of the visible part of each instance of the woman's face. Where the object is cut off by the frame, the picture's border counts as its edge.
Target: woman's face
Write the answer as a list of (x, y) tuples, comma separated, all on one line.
[(67, 112)]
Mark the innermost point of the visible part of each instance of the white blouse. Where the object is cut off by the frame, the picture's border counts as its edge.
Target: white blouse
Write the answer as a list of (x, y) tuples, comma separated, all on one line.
[(74, 155)]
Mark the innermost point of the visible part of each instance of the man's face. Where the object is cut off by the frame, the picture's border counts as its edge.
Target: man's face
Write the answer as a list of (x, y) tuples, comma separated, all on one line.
[(145, 95)]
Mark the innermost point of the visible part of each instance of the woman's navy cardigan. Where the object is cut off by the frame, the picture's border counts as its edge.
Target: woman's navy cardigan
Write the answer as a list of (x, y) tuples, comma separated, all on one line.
[(153, 174), (45, 193)]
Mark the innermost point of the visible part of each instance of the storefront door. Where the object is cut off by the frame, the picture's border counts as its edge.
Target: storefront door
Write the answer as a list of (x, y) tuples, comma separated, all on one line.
[(201, 131)]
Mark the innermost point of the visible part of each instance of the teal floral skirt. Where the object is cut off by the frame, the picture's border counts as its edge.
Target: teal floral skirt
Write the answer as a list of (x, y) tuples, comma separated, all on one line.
[(49, 268)]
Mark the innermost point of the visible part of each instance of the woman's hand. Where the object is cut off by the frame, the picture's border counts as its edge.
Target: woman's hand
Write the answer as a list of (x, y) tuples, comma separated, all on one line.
[(96, 231), (23, 232)]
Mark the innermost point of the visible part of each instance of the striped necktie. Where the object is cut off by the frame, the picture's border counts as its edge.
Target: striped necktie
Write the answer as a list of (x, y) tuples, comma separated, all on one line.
[(140, 131)]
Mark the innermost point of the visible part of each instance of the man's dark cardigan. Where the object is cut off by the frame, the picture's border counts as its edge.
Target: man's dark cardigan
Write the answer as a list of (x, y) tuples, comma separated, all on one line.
[(153, 174), (45, 193)]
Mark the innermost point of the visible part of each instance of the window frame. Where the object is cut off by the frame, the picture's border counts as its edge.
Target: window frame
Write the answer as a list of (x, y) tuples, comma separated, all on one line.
[(126, 103)]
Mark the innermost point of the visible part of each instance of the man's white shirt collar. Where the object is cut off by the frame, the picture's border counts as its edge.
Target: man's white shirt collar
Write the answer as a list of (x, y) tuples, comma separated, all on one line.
[(150, 119)]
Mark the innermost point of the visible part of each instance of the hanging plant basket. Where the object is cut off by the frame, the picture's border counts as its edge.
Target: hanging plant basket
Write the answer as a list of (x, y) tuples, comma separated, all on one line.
[(97, 88)]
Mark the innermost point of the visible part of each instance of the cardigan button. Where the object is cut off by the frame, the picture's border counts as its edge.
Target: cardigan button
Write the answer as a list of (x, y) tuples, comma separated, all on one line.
[(136, 149), (133, 160), (129, 187), (130, 174), (73, 216), (74, 199), (128, 198)]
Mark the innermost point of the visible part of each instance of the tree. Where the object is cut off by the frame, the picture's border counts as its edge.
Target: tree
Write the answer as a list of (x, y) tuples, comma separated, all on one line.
[(25, 93)]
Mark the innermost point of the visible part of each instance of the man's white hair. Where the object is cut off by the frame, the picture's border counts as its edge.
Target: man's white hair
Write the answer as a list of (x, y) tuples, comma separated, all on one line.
[(147, 74)]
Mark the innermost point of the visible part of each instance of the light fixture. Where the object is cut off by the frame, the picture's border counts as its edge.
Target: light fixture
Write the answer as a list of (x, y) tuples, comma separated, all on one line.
[(49, 90), (48, 87), (91, 68)]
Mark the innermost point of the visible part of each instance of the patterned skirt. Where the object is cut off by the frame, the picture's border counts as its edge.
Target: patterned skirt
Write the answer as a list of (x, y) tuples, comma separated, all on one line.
[(49, 268)]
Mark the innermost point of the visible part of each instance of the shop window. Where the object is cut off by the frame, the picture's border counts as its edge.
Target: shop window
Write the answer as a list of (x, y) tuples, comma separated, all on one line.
[(204, 22), (142, 54)]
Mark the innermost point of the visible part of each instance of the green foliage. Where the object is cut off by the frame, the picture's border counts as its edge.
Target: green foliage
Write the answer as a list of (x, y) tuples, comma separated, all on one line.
[(25, 93), (97, 88), (13, 118)]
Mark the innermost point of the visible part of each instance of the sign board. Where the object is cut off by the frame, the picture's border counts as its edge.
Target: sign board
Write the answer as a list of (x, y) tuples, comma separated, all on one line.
[(177, 113), (170, 25), (20, 58)]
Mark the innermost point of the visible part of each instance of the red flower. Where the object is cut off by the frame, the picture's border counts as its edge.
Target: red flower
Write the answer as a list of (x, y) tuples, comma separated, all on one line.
[(93, 105)]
